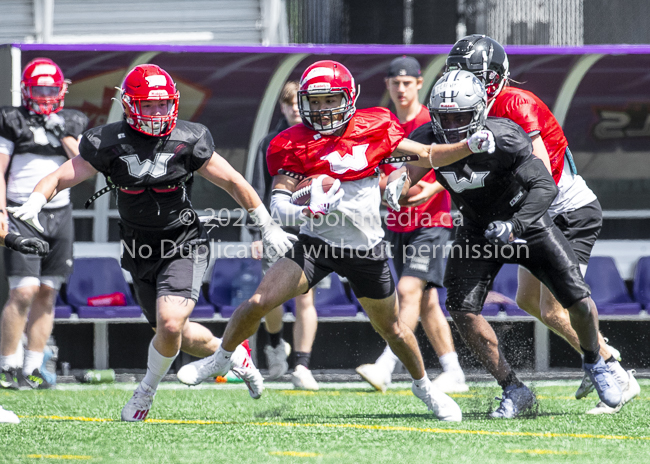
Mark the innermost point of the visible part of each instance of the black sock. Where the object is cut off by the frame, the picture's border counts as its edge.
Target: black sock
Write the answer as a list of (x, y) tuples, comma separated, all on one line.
[(591, 357), (274, 339), (302, 358), (511, 379), (611, 359)]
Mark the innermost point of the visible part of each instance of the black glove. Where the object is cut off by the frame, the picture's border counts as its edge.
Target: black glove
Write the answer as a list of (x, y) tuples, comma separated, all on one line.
[(499, 232), (28, 246)]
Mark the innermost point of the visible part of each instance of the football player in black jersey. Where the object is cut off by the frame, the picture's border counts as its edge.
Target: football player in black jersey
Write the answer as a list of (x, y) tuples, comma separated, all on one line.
[(503, 198), (35, 139), (149, 159)]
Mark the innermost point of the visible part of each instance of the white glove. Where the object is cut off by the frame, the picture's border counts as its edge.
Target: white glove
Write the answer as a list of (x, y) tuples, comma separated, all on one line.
[(55, 124), (481, 141), (394, 191), (276, 241), (28, 212), (321, 202)]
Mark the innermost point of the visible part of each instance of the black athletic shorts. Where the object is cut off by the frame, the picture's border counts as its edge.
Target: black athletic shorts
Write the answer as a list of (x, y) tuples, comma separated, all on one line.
[(367, 270), (473, 263), (59, 233), (179, 274), (581, 228), (420, 254)]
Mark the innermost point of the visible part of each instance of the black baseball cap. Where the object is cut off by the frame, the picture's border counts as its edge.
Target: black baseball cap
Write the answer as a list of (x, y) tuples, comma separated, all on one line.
[(404, 66)]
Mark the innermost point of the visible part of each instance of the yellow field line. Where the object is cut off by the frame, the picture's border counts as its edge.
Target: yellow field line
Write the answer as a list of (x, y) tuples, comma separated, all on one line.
[(541, 451), (389, 428), (298, 454), (57, 456)]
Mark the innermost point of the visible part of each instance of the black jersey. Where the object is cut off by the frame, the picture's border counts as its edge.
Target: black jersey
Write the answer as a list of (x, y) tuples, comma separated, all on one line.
[(28, 133), (138, 162), (509, 184)]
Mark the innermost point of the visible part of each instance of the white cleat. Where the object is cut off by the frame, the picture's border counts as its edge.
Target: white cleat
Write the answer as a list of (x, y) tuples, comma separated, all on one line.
[(630, 391), (586, 387), (138, 407), (375, 375), (8, 417), (276, 359), (451, 382), (303, 379), (196, 372), (439, 403), (613, 351), (242, 366)]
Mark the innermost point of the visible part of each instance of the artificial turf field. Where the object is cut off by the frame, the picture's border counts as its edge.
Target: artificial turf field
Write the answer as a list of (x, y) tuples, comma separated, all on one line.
[(341, 423)]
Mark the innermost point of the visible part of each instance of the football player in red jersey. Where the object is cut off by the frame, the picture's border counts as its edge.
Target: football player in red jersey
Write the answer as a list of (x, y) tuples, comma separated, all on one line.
[(341, 228), (576, 210), (418, 235), (149, 159)]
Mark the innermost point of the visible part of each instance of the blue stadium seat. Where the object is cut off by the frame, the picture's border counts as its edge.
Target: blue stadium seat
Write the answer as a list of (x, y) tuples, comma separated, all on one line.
[(642, 282), (608, 288), (94, 277), (506, 283), (332, 301), (61, 310), (224, 272), (202, 309)]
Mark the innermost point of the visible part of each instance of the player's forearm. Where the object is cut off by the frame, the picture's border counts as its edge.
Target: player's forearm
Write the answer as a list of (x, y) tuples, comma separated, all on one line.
[(542, 191), (70, 146), (243, 193), (69, 174)]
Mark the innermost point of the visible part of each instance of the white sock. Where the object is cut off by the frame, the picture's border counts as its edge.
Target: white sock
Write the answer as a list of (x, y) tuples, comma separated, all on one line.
[(387, 360), (222, 354), (13, 361), (449, 362), (157, 367), (422, 382), (33, 360)]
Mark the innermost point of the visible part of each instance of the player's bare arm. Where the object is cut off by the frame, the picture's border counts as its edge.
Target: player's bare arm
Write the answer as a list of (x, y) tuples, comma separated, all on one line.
[(539, 150), (219, 171), (70, 145)]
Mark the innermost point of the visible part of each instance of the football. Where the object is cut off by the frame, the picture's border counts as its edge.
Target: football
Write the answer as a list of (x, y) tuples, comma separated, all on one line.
[(302, 194)]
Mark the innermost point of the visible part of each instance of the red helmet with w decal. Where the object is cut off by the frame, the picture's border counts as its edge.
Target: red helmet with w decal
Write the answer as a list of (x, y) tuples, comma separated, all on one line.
[(322, 79), (144, 90), (43, 87)]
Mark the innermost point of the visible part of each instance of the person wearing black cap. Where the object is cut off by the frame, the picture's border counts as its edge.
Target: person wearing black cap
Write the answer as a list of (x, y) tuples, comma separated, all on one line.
[(424, 226)]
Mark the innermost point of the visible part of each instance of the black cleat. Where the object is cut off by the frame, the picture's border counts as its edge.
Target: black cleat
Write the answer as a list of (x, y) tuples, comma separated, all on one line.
[(35, 381), (9, 379)]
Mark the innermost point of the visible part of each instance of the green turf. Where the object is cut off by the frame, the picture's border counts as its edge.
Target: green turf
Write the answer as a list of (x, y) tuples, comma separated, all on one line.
[(334, 425)]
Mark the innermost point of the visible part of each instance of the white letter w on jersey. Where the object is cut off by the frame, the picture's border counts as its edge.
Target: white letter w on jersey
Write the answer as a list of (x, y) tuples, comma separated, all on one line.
[(458, 185), (140, 169), (355, 161)]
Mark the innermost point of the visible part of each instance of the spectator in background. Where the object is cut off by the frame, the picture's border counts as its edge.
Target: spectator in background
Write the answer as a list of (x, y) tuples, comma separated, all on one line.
[(304, 329), (425, 225), (35, 139)]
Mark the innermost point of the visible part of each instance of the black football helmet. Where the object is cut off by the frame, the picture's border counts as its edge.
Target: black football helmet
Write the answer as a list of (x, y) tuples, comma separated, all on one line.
[(485, 58)]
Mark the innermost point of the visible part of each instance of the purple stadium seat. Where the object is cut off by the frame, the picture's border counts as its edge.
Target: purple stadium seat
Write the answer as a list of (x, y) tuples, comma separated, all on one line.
[(506, 283), (61, 310), (608, 288), (224, 272), (94, 277), (642, 282), (332, 301), (202, 309)]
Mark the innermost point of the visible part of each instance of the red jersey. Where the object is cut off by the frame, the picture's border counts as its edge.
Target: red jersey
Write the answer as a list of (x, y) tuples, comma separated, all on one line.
[(527, 110), (433, 213), (371, 135)]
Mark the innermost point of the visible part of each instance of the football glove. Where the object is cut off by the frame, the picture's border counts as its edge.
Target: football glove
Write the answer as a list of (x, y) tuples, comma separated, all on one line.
[(276, 241), (28, 212), (28, 246), (481, 141), (55, 124), (499, 232), (394, 191), (322, 203)]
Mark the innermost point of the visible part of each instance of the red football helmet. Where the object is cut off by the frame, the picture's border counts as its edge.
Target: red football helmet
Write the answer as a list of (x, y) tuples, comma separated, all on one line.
[(148, 82), (327, 78), (43, 86)]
